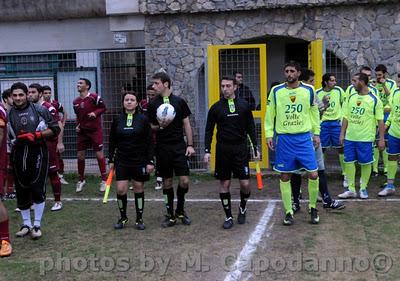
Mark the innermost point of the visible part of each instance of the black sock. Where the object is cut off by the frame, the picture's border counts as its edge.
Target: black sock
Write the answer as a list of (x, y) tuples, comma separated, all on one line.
[(295, 184), (139, 205), (180, 193), (169, 201), (226, 203), (122, 203), (243, 199), (323, 187)]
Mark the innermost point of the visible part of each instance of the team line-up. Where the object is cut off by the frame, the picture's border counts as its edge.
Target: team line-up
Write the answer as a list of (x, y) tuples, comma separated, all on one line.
[(155, 135)]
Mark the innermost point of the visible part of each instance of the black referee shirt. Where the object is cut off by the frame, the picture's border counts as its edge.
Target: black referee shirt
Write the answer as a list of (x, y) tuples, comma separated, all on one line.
[(173, 133), (232, 127), (131, 144)]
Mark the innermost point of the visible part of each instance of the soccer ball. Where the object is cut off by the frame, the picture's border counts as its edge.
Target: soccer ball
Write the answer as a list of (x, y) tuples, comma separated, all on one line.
[(165, 113)]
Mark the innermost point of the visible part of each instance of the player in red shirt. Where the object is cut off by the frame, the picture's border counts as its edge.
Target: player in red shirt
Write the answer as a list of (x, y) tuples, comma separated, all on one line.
[(7, 103), (88, 108), (60, 145), (35, 95), (150, 95), (5, 245)]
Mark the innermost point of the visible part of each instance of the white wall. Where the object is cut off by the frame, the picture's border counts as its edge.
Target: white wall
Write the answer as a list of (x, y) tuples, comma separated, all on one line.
[(118, 7), (72, 34)]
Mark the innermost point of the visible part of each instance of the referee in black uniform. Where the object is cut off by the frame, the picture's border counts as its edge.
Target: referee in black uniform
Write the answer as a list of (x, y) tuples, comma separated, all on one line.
[(235, 124), (171, 150), (131, 153)]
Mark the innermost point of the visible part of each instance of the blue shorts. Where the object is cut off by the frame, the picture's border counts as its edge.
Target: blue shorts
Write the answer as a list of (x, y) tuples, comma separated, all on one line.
[(363, 152), (295, 152), (320, 160), (385, 117), (330, 133), (393, 145)]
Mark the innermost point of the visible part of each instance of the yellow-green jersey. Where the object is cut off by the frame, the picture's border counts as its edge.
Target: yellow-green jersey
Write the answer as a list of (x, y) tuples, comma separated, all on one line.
[(385, 98), (292, 111), (362, 113), (352, 90), (394, 117), (336, 99)]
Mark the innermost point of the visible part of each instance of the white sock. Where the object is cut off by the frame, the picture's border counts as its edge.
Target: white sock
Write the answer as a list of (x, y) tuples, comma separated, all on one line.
[(26, 217), (38, 210)]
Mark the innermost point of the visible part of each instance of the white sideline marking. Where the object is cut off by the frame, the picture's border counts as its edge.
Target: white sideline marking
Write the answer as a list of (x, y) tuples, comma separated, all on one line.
[(251, 245), (96, 199), (199, 200)]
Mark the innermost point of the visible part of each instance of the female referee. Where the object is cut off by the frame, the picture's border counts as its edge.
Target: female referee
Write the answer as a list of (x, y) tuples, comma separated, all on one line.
[(131, 153)]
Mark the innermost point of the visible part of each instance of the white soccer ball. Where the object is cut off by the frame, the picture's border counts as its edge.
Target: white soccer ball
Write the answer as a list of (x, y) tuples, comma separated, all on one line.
[(165, 113)]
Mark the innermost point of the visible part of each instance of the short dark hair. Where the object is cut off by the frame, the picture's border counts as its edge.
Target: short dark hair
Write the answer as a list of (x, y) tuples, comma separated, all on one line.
[(381, 67), (229, 78), (36, 86), (87, 81), (325, 78), (363, 77), (46, 88), (149, 88), (364, 67), (398, 75), (294, 64), (236, 72), (164, 77), (19, 85), (129, 93), (306, 74), (6, 94)]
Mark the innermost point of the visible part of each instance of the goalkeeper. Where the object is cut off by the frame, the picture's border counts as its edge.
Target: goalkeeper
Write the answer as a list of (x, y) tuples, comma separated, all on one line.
[(29, 126)]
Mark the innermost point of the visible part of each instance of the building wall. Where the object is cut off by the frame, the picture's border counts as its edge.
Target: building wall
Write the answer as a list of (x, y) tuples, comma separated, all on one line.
[(29, 10), (212, 6), (357, 34), (60, 35)]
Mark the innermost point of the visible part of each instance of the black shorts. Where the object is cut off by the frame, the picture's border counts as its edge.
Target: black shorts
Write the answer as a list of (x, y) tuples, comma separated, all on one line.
[(137, 173), (232, 158), (31, 163), (171, 160)]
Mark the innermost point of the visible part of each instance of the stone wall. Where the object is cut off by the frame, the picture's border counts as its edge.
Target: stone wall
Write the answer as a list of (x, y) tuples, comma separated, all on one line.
[(356, 34), (37, 10), (212, 6)]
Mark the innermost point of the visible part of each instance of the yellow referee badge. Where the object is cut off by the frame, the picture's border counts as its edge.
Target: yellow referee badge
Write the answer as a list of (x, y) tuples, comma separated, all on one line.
[(231, 104), (166, 99), (129, 120)]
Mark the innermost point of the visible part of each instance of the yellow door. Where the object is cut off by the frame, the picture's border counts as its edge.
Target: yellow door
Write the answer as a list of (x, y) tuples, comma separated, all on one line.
[(251, 62), (316, 58)]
